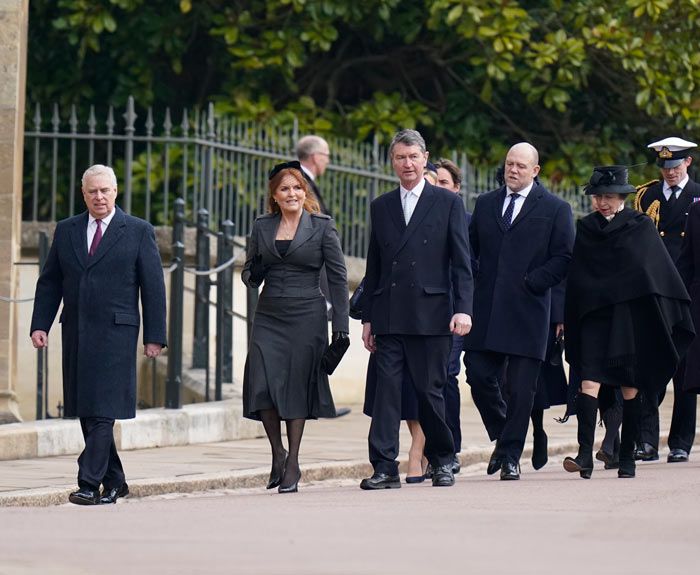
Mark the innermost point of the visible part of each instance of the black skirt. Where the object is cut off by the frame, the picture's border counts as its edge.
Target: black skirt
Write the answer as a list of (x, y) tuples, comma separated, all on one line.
[(283, 368)]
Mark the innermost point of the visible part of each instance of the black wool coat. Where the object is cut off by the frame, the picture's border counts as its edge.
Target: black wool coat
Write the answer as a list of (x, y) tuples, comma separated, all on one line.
[(518, 267), (621, 269), (100, 318)]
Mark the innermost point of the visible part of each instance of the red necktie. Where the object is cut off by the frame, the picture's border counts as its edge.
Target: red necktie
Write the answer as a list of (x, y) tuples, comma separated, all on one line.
[(96, 238)]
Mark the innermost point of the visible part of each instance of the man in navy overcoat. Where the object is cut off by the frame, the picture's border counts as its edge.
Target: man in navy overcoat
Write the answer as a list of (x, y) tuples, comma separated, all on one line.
[(418, 288), (99, 264), (522, 237)]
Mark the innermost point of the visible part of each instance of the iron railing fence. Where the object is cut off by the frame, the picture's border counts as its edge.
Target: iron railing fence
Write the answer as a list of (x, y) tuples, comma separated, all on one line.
[(217, 163)]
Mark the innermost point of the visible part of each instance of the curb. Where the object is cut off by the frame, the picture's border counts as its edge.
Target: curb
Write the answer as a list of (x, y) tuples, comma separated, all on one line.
[(247, 478)]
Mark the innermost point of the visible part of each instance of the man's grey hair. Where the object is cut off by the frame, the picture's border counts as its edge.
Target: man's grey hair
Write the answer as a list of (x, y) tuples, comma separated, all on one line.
[(99, 170), (310, 145), (408, 138)]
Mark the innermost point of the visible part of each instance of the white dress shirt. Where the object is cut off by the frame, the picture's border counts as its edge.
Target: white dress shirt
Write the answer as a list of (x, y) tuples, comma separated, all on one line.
[(681, 185), (409, 199), (92, 226), (518, 201)]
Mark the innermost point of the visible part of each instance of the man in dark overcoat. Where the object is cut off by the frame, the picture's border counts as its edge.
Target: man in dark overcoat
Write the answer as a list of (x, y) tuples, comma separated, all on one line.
[(418, 287), (689, 267), (522, 236), (99, 263), (667, 202)]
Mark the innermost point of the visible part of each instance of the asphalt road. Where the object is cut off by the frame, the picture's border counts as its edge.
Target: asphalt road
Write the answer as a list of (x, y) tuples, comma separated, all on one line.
[(548, 522)]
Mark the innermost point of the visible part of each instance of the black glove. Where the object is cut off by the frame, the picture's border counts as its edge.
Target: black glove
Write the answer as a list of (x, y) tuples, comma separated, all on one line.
[(257, 269), (339, 335)]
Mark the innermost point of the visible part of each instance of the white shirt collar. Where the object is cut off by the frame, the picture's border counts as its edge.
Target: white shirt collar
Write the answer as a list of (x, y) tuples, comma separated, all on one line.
[(523, 193), (105, 221), (417, 191), (307, 171), (681, 184)]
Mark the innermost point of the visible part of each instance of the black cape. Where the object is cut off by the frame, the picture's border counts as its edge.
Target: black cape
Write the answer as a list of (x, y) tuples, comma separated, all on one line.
[(623, 282)]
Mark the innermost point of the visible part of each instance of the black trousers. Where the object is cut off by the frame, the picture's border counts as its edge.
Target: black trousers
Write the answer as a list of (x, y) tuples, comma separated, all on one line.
[(506, 420), (426, 359), (683, 421), (99, 463)]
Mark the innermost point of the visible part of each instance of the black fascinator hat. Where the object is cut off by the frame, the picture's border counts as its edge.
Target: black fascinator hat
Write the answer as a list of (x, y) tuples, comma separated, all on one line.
[(294, 165)]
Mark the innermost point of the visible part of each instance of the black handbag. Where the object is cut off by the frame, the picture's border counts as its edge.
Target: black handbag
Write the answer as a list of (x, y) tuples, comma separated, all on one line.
[(334, 353), (557, 350), (356, 301)]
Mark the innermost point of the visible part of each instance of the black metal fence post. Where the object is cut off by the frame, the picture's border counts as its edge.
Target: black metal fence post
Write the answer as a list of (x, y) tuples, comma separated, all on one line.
[(227, 292), (219, 369), (200, 343), (173, 384)]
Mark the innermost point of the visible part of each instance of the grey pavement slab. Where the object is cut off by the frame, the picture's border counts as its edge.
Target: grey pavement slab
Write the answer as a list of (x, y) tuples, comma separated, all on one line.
[(335, 448)]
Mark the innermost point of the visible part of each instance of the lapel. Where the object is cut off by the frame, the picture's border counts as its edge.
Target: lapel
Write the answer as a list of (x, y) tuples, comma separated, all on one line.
[(498, 208), (112, 235), (268, 231), (305, 230), (530, 202), (78, 237), (396, 210), (423, 207)]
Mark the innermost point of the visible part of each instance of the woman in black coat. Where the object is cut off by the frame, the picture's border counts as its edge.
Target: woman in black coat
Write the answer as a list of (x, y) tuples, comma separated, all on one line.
[(283, 376), (627, 313)]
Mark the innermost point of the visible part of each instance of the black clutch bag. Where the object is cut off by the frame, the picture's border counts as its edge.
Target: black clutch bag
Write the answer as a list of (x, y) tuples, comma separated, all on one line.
[(356, 301), (557, 350), (334, 353)]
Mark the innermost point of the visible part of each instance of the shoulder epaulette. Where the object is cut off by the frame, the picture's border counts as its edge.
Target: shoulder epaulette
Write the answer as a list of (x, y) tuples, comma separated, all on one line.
[(322, 216), (641, 190), (265, 216)]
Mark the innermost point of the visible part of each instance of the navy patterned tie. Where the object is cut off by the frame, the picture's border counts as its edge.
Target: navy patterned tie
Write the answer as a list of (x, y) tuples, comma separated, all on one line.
[(508, 214)]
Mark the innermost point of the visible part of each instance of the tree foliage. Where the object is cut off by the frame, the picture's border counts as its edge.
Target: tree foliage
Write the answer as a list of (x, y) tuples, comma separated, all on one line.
[(587, 81)]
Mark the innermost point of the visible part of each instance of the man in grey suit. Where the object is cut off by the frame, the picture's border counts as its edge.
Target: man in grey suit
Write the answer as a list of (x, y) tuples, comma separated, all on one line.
[(99, 263)]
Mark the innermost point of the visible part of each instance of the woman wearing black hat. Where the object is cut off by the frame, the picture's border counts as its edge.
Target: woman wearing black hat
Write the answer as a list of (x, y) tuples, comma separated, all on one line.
[(627, 313), (283, 377)]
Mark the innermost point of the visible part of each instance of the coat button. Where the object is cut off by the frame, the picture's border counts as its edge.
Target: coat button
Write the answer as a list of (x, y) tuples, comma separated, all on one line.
[(393, 284), (425, 241), (682, 234), (662, 234), (413, 264), (394, 263)]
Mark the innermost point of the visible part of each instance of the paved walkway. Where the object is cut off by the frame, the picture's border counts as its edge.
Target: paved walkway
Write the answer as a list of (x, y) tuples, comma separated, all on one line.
[(332, 448)]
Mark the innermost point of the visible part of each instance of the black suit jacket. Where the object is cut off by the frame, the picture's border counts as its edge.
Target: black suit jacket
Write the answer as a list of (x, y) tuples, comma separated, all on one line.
[(100, 318), (518, 267), (671, 224), (418, 275)]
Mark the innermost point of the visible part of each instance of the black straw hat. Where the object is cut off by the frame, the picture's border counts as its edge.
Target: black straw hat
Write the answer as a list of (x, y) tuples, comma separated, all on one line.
[(294, 165), (609, 180)]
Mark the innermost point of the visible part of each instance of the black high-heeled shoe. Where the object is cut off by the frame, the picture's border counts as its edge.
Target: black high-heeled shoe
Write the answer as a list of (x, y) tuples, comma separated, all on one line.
[(292, 488), (277, 472)]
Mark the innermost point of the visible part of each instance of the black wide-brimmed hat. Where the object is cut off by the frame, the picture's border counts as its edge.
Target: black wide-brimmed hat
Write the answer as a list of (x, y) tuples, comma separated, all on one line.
[(609, 180)]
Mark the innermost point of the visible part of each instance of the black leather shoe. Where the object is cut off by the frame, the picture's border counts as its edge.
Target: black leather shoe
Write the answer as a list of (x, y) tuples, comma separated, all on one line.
[(291, 488), (510, 471), (443, 476), (111, 495), (380, 481), (646, 452), (494, 463), (85, 496), (456, 465), (677, 456)]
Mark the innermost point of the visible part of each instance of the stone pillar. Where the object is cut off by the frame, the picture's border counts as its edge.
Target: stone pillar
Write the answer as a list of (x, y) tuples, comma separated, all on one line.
[(13, 60)]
